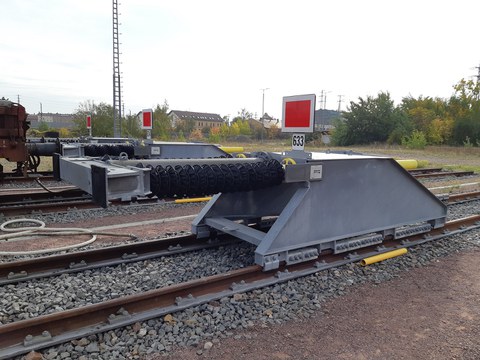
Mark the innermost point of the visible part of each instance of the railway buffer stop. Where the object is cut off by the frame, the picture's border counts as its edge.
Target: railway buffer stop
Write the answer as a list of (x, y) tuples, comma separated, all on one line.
[(327, 201)]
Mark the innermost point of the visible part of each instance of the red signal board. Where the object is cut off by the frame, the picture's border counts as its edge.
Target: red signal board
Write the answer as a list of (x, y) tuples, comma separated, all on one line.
[(147, 119), (89, 121), (298, 113)]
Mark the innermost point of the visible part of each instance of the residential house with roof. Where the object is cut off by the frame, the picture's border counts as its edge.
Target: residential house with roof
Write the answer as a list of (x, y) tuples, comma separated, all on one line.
[(200, 120)]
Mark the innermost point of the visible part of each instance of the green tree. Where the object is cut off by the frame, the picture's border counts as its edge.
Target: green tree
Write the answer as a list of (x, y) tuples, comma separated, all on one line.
[(131, 127), (243, 114), (162, 126), (185, 127), (430, 116), (224, 131), (369, 120), (43, 126), (102, 119), (234, 129), (464, 107), (244, 127)]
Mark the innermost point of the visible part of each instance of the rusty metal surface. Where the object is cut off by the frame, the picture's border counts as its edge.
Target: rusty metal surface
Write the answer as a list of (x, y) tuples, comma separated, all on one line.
[(13, 130)]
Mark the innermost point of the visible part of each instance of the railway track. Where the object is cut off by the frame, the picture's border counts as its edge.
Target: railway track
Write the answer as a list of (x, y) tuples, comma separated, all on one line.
[(13, 272), (462, 197), (21, 203), (14, 178), (23, 270), (442, 174), (45, 331)]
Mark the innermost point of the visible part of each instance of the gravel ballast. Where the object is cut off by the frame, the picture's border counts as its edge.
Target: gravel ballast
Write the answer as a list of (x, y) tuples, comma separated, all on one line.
[(209, 323)]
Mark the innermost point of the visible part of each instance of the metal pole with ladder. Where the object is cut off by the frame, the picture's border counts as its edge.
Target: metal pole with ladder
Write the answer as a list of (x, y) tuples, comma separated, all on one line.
[(117, 92)]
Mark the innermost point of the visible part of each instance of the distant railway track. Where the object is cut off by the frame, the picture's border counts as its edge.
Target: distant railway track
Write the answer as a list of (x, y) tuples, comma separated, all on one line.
[(442, 174), (44, 175), (25, 201), (418, 173), (20, 337), (424, 170)]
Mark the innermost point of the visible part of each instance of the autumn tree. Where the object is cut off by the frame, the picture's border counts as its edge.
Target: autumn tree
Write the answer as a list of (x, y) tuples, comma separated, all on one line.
[(196, 134), (429, 116), (464, 107), (214, 136)]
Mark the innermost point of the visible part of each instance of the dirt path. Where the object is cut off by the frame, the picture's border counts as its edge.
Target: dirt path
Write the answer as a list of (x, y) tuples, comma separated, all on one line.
[(428, 313)]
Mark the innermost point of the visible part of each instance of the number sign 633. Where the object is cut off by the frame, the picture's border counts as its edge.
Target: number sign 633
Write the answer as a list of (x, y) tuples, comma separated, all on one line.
[(298, 141)]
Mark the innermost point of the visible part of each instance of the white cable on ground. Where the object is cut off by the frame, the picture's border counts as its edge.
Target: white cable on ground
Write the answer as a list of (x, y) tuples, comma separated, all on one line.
[(21, 233)]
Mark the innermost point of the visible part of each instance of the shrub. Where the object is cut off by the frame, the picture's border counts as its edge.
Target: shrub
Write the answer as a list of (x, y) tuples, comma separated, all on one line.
[(416, 140)]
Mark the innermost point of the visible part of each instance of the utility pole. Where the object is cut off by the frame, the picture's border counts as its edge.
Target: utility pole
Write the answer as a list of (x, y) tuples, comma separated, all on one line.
[(117, 91), (41, 112), (18, 99), (339, 102), (323, 99), (263, 110)]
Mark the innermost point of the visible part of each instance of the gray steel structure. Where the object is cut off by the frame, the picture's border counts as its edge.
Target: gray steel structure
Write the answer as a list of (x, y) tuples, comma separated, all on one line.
[(102, 180), (327, 201), (122, 179), (117, 84), (153, 149), (332, 202)]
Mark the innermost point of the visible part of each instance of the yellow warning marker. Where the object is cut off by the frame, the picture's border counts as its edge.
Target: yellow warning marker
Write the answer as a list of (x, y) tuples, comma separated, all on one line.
[(388, 255), (288, 161), (232, 149), (408, 164), (184, 201)]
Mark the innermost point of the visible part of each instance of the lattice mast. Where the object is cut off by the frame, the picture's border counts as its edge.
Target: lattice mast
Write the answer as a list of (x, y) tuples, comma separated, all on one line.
[(117, 90)]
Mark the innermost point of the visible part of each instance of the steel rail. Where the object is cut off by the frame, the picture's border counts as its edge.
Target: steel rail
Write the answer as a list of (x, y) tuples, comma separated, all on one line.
[(463, 197), (48, 330), (58, 203), (424, 170), (36, 194), (45, 175), (443, 174), (54, 205), (23, 270)]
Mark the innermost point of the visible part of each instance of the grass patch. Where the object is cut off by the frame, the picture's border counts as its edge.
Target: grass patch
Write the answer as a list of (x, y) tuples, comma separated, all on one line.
[(474, 168)]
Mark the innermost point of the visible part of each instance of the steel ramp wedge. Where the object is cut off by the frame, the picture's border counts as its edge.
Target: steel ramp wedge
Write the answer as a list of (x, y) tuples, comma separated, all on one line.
[(330, 198)]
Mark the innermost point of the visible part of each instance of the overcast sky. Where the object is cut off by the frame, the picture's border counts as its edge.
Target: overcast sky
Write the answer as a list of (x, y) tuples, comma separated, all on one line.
[(216, 56)]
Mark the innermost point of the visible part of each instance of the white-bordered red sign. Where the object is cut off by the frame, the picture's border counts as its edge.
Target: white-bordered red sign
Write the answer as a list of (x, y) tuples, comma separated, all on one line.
[(147, 119), (298, 113), (89, 121)]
